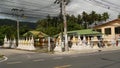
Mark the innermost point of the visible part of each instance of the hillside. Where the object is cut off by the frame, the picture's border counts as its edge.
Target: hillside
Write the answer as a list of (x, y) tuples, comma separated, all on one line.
[(9, 22)]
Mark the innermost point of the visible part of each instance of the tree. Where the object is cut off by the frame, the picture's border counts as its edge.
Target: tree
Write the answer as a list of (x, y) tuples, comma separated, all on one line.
[(23, 30), (99, 17), (73, 22), (119, 16), (85, 19), (105, 16), (79, 19), (48, 23), (94, 16), (9, 31)]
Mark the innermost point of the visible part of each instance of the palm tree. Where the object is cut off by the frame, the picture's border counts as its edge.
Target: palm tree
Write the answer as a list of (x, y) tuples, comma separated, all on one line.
[(79, 19), (105, 16), (94, 16), (84, 18), (48, 20), (99, 17), (119, 16)]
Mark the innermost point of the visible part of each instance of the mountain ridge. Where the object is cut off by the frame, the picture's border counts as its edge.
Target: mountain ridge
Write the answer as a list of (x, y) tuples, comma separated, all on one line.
[(10, 22)]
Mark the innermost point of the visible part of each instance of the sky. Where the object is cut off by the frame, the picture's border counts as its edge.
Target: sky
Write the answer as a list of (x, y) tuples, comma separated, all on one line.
[(38, 9), (111, 6)]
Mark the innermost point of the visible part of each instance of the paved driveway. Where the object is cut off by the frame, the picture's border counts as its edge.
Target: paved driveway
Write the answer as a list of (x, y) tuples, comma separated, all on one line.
[(9, 52)]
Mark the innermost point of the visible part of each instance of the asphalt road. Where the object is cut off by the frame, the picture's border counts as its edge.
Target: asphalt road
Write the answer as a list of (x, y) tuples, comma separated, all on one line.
[(109, 59)]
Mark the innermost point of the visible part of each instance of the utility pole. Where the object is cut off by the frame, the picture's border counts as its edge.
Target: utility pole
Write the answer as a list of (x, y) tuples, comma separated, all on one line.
[(63, 4), (17, 13), (65, 24)]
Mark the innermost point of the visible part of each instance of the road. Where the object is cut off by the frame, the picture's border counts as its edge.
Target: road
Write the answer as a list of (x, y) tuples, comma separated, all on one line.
[(25, 59)]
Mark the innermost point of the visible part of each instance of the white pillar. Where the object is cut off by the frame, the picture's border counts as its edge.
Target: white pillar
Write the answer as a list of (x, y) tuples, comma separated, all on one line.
[(48, 43), (13, 43), (5, 42)]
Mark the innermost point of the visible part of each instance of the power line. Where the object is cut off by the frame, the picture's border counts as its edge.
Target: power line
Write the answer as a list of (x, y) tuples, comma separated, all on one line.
[(22, 4), (26, 3), (104, 5), (39, 9), (114, 6), (110, 3), (29, 4), (27, 11)]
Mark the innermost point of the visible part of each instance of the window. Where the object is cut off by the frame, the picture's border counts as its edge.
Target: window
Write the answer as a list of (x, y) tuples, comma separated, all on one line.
[(107, 30), (99, 30), (117, 30)]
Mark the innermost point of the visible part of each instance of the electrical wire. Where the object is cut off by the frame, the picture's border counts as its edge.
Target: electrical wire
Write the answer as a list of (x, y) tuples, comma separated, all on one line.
[(106, 5), (29, 11), (26, 3), (42, 10)]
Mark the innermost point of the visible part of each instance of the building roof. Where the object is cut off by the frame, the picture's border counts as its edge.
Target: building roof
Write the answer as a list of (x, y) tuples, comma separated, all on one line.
[(108, 23), (82, 32), (85, 32), (36, 33)]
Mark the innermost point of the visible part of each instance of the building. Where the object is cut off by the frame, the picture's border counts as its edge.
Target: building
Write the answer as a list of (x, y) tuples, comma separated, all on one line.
[(110, 30)]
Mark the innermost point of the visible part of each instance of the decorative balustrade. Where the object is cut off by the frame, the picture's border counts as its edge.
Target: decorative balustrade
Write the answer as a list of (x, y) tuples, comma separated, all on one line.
[(25, 44)]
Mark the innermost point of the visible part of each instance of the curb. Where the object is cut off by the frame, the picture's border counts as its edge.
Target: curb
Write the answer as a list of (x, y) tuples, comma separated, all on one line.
[(88, 51), (4, 59)]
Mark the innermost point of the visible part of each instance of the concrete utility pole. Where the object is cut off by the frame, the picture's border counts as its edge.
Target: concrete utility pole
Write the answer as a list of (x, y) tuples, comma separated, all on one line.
[(65, 24), (17, 13)]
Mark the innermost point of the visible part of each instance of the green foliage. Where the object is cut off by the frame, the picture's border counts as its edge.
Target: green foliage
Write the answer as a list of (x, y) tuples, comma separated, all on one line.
[(8, 28), (51, 25), (119, 16), (24, 29), (9, 31), (1, 56), (105, 16), (8, 22), (54, 25)]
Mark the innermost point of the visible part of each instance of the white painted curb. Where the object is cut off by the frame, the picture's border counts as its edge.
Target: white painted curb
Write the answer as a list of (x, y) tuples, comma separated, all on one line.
[(5, 58)]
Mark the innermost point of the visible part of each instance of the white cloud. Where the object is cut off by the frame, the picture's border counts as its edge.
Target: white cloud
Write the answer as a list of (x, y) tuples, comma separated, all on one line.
[(45, 7), (110, 6)]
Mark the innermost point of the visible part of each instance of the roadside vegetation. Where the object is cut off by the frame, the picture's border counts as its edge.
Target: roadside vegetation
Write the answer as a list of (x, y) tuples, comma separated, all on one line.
[(51, 25), (1, 56), (54, 25)]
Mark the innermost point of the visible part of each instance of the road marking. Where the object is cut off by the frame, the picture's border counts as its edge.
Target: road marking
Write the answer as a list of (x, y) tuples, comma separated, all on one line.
[(58, 58), (5, 58), (37, 60), (64, 66), (14, 62)]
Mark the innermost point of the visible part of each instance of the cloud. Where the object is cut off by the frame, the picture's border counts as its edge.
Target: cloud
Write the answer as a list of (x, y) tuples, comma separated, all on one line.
[(78, 6), (41, 8)]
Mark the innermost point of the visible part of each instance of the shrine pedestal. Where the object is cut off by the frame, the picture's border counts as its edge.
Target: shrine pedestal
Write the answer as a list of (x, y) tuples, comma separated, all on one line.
[(58, 49)]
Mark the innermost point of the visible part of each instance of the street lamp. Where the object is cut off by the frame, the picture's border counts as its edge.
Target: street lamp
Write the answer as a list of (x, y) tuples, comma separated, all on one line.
[(18, 13)]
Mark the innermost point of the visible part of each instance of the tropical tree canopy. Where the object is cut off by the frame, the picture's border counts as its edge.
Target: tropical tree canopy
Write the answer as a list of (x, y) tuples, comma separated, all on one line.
[(119, 16), (54, 25)]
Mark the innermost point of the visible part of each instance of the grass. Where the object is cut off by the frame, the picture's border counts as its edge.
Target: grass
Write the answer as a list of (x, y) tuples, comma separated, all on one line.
[(1, 56)]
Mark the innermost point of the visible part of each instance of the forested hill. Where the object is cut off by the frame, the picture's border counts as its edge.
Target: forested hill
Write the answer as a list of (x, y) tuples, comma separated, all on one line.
[(9, 22)]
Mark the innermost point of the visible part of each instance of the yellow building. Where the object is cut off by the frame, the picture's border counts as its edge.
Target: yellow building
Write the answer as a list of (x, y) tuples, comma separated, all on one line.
[(110, 30)]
